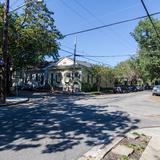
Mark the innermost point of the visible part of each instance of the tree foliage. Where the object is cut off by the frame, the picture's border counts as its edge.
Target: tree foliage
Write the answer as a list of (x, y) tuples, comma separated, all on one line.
[(148, 60), (32, 35), (127, 71), (102, 76)]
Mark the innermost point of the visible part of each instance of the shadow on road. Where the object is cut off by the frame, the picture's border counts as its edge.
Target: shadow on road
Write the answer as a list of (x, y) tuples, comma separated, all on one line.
[(59, 124)]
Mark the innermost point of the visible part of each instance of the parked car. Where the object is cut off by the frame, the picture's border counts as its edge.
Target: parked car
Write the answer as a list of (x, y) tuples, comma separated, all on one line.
[(132, 88), (121, 89), (147, 87), (139, 88), (156, 90), (125, 89)]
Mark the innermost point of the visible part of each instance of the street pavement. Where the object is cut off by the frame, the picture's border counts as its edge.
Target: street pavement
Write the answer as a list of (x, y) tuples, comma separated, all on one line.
[(64, 127)]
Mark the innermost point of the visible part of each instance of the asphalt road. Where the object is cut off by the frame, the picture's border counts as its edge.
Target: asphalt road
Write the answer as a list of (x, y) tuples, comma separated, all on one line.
[(65, 127)]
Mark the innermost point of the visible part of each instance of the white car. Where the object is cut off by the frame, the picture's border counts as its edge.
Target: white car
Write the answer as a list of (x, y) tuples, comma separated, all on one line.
[(156, 90)]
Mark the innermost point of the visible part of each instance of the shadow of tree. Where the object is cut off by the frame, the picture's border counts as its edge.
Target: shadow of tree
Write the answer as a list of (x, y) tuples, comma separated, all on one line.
[(57, 124)]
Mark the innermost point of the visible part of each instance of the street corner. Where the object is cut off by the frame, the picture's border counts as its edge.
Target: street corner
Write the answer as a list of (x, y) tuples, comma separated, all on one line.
[(10, 101)]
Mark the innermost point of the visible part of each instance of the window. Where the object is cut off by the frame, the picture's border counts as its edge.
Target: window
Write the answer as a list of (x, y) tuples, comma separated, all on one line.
[(37, 77), (58, 77), (77, 75), (68, 74), (52, 79)]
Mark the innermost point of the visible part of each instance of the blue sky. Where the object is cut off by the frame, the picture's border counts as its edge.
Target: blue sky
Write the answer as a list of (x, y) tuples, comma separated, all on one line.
[(75, 15)]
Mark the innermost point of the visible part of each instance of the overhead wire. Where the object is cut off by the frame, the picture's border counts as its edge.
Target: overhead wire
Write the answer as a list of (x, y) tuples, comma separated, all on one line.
[(97, 61), (65, 46), (85, 57), (109, 25), (102, 23), (14, 3), (75, 11), (71, 54), (115, 12), (93, 15), (82, 53), (99, 20), (90, 13), (149, 16), (88, 57), (126, 55)]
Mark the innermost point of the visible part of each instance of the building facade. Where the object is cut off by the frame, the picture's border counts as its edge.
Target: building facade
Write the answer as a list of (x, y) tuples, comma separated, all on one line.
[(61, 75)]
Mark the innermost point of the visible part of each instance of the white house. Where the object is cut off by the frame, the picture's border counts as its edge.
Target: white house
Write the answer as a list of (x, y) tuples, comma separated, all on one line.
[(61, 75)]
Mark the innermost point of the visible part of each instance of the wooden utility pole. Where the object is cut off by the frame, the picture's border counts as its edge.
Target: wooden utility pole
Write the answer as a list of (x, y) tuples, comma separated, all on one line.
[(5, 52), (74, 63)]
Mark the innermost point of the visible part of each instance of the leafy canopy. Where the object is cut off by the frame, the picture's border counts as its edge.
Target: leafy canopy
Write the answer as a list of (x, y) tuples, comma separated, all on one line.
[(32, 35), (148, 60)]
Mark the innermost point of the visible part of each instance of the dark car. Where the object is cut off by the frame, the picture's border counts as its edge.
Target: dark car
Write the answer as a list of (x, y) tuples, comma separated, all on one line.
[(139, 88), (132, 88), (121, 89)]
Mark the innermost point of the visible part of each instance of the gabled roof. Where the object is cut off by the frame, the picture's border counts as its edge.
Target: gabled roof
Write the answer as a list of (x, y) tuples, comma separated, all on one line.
[(66, 62), (84, 63)]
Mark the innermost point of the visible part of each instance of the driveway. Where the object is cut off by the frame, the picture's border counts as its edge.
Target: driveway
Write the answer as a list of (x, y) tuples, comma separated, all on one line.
[(65, 127)]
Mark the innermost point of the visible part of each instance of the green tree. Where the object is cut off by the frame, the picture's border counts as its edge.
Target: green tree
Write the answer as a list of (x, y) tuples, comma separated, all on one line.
[(148, 60), (102, 76), (32, 35), (127, 71)]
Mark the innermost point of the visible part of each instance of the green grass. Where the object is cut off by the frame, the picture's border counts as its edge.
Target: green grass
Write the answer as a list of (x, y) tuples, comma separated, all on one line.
[(136, 147), (124, 158), (135, 133)]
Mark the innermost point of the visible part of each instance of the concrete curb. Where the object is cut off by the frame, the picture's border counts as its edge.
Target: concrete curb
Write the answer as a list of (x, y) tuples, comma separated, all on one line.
[(14, 103), (99, 152), (152, 151)]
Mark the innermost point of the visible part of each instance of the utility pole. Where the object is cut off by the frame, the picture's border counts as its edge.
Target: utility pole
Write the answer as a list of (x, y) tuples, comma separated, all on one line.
[(5, 51), (74, 64)]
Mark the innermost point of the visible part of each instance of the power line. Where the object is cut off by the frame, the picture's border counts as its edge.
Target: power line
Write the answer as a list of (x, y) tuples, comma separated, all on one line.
[(14, 3), (88, 11), (109, 25), (65, 46), (101, 22), (121, 10), (149, 16), (71, 54), (114, 34), (84, 57), (74, 10), (24, 4), (98, 56), (127, 55), (96, 61)]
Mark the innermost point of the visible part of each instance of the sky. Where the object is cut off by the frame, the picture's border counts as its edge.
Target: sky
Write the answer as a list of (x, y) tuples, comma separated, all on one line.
[(75, 15)]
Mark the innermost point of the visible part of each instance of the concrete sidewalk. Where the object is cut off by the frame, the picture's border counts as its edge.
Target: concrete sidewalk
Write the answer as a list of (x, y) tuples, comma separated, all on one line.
[(14, 100), (152, 152)]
